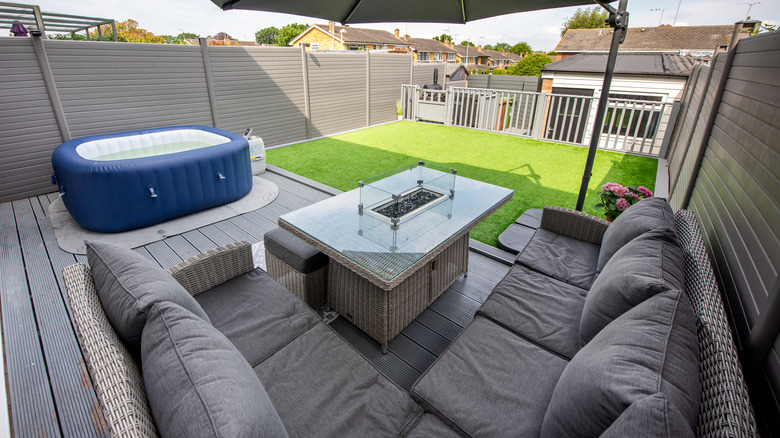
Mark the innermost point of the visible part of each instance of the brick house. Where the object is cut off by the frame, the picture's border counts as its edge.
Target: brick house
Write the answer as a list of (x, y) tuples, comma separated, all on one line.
[(681, 40), (430, 50), (322, 37)]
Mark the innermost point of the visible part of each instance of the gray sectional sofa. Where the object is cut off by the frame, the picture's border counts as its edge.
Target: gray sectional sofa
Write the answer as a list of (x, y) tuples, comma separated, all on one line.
[(591, 332)]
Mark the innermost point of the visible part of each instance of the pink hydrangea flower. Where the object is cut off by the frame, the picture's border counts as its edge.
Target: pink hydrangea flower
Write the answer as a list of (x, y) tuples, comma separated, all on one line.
[(620, 191), (645, 192), (621, 204), (635, 196)]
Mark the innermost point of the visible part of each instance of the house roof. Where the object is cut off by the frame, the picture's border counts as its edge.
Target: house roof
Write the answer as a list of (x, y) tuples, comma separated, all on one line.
[(660, 64), (495, 54), (694, 38), (472, 51), (428, 45), (360, 35)]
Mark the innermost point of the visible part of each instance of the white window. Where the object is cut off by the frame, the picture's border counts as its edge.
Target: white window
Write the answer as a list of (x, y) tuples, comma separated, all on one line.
[(437, 56), (451, 57), (315, 46), (423, 57)]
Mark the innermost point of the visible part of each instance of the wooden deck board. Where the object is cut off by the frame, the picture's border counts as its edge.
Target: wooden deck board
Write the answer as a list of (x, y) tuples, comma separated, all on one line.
[(33, 412), (46, 386)]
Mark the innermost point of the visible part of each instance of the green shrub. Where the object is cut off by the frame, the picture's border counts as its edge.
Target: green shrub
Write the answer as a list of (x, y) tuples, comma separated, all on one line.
[(500, 71), (530, 65)]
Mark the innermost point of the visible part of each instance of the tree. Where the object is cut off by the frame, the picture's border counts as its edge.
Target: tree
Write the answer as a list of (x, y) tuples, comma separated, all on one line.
[(588, 18), (289, 32), (488, 47), (467, 43), (443, 38), (502, 46), (188, 36), (530, 65), (521, 48), (267, 35)]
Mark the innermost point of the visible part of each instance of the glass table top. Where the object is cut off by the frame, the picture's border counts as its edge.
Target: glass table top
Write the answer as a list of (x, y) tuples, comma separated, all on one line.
[(388, 247)]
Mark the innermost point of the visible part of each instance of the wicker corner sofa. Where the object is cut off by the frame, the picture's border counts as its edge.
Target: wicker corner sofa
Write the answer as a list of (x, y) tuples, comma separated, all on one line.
[(314, 384)]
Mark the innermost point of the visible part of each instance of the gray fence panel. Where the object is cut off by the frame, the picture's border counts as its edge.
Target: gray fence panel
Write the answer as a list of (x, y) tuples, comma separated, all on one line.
[(505, 82), (686, 165), (423, 73), (388, 72), (337, 84), (29, 131), (261, 88), (737, 200), (111, 87)]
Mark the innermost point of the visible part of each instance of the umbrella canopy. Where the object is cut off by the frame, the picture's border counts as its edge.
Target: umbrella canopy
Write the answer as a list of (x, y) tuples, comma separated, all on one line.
[(380, 11)]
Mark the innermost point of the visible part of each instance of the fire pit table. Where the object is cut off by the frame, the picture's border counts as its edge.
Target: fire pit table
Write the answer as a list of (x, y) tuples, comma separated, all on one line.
[(395, 243)]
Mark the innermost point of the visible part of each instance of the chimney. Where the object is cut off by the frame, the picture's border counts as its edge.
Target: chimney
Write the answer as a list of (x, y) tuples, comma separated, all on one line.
[(452, 45), (406, 37), (479, 47), (397, 33), (330, 26), (743, 29)]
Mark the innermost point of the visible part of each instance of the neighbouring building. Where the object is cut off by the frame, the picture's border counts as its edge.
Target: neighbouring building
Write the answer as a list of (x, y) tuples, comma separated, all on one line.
[(501, 59), (681, 40), (471, 57), (430, 50), (320, 37)]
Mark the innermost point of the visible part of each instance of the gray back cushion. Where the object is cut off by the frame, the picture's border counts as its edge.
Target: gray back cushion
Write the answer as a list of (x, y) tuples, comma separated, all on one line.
[(651, 416), (652, 348), (640, 218), (198, 384), (127, 285), (645, 266)]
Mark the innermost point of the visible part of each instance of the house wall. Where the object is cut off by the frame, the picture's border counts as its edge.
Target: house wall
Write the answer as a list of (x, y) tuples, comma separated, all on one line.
[(728, 174), (325, 41), (104, 87)]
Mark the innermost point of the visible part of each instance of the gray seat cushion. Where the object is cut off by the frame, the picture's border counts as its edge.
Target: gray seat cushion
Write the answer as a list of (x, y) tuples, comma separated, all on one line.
[(645, 266), (257, 314), (531, 218), (540, 308), (645, 215), (564, 258), (430, 426), (490, 382), (322, 387), (652, 348), (295, 252), (127, 285), (197, 383)]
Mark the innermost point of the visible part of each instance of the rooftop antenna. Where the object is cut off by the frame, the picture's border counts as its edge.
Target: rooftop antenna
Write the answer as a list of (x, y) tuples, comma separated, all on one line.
[(678, 11), (662, 14), (750, 5)]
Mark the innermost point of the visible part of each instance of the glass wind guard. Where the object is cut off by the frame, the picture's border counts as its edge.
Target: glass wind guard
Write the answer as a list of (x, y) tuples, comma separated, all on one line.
[(395, 219)]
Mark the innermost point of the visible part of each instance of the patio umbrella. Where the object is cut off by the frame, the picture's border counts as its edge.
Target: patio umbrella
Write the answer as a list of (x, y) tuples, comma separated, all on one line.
[(379, 11), (452, 11)]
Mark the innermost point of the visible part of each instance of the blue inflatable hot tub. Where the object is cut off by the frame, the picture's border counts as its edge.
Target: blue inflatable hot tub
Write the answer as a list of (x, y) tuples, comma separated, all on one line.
[(117, 182)]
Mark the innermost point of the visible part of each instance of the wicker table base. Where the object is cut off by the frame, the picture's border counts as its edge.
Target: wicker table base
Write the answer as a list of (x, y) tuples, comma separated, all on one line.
[(382, 314)]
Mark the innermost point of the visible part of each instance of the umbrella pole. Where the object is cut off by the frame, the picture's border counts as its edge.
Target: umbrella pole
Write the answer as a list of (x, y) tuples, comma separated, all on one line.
[(618, 19)]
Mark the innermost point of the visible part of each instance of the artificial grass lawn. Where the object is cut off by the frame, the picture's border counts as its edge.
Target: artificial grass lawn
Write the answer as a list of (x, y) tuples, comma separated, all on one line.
[(540, 173)]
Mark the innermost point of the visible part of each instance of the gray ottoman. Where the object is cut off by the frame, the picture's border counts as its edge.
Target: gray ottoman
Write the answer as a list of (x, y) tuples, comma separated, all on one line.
[(297, 266)]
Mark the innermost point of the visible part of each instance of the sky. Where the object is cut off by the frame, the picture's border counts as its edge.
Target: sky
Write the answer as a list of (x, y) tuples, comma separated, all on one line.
[(540, 29)]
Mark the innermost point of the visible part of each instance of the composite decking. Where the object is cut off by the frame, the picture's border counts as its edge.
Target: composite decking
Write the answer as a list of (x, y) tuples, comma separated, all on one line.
[(49, 389)]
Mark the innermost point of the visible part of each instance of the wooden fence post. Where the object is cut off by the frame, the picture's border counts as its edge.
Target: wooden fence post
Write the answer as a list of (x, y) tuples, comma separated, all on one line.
[(51, 87), (204, 50)]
